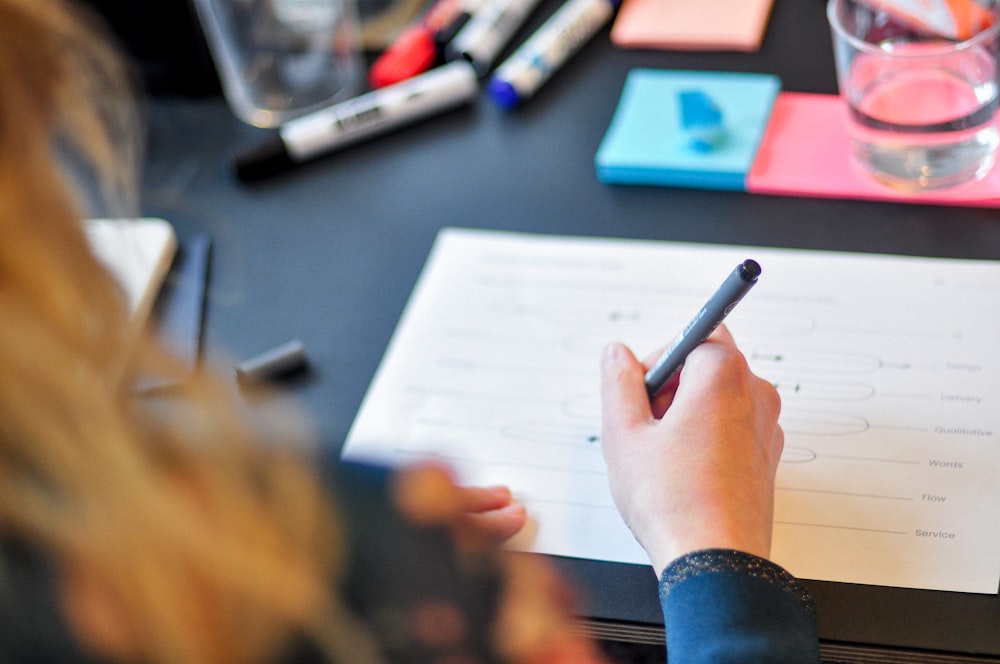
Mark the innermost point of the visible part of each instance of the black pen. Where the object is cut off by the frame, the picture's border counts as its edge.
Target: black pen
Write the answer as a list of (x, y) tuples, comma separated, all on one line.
[(732, 290)]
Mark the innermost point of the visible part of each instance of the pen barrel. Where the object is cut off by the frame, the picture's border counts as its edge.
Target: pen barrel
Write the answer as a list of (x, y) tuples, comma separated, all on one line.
[(558, 39), (488, 31), (723, 301), (379, 111)]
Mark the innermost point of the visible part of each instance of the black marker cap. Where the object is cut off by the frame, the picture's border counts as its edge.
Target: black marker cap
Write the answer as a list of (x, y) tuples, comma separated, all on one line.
[(444, 36), (281, 361), (263, 161), (749, 270)]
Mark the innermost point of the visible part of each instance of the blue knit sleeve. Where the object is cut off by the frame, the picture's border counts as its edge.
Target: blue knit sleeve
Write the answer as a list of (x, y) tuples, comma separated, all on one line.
[(723, 606)]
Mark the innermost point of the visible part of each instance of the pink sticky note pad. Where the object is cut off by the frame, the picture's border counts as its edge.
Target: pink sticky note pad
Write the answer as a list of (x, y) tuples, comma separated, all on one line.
[(736, 25), (805, 151)]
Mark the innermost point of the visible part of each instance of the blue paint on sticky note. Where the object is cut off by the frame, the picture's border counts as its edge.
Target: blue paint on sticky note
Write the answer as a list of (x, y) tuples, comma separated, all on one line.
[(646, 142), (701, 120)]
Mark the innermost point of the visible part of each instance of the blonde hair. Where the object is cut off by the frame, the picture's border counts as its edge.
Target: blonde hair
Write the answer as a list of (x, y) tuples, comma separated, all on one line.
[(211, 539)]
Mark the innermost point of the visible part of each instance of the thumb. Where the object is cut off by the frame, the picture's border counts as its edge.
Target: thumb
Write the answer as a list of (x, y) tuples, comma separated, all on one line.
[(624, 401)]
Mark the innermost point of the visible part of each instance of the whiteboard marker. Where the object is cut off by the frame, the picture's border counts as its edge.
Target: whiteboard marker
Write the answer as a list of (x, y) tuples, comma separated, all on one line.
[(371, 114), (488, 31), (555, 42)]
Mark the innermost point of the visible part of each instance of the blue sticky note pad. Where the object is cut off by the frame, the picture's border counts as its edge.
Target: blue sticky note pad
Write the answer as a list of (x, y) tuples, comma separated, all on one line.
[(647, 144)]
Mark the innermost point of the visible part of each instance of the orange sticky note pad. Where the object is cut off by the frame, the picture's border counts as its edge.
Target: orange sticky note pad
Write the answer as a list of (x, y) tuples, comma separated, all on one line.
[(735, 25)]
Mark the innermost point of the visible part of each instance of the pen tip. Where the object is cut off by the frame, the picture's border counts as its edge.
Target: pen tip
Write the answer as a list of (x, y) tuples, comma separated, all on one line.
[(750, 270)]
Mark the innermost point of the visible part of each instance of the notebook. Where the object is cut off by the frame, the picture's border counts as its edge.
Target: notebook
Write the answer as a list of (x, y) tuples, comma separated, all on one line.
[(138, 252)]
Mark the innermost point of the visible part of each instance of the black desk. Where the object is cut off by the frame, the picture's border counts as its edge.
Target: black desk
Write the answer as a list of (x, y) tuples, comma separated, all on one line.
[(329, 253)]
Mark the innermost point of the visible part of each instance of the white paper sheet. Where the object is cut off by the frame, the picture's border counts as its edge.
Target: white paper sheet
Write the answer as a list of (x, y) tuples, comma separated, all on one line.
[(889, 370), (138, 252)]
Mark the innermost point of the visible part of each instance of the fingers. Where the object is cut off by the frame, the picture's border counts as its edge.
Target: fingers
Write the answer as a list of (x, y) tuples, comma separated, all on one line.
[(624, 400), (426, 494), (535, 625), (701, 474), (482, 499), (623, 393), (722, 335), (488, 516), (664, 398), (492, 527), (479, 517), (716, 366)]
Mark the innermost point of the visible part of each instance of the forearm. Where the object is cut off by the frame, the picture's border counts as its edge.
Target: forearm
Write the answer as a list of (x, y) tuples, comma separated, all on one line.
[(723, 606)]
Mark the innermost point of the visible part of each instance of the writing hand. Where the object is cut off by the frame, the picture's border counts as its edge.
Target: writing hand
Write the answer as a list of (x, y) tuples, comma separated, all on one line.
[(698, 471)]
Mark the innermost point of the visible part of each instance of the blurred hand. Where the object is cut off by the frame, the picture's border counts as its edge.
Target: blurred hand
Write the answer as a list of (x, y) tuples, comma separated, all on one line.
[(695, 469), (479, 517), (535, 621)]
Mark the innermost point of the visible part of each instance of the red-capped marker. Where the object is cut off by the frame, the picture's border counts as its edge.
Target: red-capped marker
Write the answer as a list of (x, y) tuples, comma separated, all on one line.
[(413, 52)]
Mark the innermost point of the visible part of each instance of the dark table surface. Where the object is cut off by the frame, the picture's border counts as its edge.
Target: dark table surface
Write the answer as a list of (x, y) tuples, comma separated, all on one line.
[(329, 252)]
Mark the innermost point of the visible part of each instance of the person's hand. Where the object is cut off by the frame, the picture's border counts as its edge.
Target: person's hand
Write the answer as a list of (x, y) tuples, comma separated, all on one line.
[(534, 624), (694, 470), (536, 621), (427, 494)]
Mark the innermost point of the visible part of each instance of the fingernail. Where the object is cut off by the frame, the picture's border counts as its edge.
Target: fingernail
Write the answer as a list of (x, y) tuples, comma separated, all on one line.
[(611, 351), (501, 492), (514, 509), (613, 354)]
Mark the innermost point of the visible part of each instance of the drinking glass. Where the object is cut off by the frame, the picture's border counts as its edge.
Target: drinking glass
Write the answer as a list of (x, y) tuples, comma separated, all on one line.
[(921, 104), (281, 59)]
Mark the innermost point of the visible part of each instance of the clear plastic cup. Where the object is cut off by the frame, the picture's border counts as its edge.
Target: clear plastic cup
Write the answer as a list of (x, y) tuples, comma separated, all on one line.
[(922, 105), (281, 59)]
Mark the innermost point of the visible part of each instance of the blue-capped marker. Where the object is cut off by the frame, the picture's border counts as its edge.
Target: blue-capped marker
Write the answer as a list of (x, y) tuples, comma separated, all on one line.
[(544, 52), (701, 120)]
